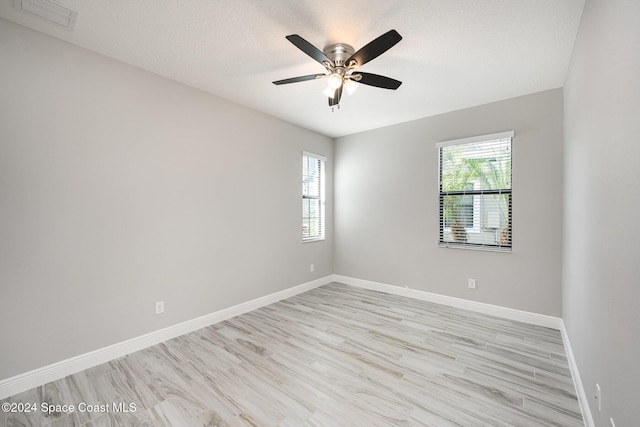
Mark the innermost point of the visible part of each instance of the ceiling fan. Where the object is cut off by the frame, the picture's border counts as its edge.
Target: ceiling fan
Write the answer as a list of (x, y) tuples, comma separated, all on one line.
[(341, 62)]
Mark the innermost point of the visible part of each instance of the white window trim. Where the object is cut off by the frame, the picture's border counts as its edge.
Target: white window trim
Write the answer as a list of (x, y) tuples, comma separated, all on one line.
[(314, 155), (471, 140), (322, 235)]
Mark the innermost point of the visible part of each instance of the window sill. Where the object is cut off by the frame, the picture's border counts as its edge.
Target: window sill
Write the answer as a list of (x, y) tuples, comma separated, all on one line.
[(451, 245), (315, 239)]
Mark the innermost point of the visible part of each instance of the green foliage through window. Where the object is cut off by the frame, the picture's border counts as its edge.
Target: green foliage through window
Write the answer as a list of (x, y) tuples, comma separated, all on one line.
[(475, 192)]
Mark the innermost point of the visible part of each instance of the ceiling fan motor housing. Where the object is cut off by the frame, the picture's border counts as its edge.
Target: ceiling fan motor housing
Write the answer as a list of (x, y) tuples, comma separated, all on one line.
[(339, 53)]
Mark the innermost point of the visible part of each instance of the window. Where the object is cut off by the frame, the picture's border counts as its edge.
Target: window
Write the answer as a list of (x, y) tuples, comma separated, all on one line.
[(469, 213), (312, 197), (475, 192)]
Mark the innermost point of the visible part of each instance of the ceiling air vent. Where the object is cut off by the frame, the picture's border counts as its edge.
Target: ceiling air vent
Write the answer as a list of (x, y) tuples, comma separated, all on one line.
[(49, 11)]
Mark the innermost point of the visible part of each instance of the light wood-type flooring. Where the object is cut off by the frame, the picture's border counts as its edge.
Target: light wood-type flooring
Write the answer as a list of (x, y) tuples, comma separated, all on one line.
[(333, 356)]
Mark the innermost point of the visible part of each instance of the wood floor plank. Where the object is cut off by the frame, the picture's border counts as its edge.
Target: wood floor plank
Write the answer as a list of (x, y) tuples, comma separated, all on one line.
[(333, 356)]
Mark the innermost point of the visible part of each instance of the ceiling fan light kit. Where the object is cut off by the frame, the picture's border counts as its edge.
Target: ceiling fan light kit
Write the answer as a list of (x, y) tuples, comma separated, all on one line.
[(341, 61)]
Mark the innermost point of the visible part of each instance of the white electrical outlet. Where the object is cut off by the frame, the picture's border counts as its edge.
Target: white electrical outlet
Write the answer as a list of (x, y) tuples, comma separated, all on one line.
[(160, 307), (598, 397), (472, 283), (312, 267)]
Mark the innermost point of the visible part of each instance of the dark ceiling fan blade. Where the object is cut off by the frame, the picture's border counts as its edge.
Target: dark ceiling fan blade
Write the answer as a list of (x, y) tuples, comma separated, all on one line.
[(376, 48), (379, 81), (308, 48), (299, 79), (335, 100)]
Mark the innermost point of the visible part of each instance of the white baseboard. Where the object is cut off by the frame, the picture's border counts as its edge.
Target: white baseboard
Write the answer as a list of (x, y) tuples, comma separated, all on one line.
[(55, 371), (577, 381), (480, 307)]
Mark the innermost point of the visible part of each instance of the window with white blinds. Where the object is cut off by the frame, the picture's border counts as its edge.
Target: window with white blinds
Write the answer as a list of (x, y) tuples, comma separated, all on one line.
[(475, 192), (312, 197)]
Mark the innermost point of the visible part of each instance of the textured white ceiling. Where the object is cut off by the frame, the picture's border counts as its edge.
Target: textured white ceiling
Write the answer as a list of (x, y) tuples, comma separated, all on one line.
[(454, 53)]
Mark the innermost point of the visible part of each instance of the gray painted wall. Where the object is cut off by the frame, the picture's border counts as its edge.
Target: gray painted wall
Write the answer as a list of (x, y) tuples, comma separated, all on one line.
[(119, 188), (386, 206), (601, 283)]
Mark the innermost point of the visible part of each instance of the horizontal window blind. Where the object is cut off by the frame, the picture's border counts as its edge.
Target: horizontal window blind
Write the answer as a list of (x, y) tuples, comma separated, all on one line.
[(312, 197), (475, 192)]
